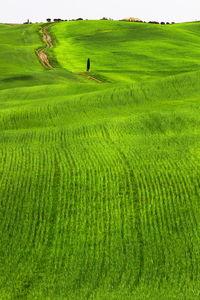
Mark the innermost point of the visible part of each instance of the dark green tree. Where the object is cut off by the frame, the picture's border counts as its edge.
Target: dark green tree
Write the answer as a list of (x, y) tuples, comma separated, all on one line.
[(88, 65)]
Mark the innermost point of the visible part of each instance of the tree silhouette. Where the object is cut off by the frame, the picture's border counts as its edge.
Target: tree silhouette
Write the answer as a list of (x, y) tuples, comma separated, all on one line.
[(88, 65)]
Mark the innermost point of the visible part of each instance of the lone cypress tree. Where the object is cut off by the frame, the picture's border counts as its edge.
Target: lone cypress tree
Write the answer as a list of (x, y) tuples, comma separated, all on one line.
[(88, 65)]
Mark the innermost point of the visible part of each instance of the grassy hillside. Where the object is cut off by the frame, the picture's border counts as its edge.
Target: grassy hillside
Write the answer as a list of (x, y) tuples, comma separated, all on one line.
[(99, 185), (128, 52)]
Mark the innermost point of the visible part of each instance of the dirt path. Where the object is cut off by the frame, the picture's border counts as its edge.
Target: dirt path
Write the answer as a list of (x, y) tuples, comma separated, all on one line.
[(89, 76), (42, 56)]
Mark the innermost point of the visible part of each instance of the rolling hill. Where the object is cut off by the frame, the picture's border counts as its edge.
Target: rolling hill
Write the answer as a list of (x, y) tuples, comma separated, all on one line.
[(99, 185)]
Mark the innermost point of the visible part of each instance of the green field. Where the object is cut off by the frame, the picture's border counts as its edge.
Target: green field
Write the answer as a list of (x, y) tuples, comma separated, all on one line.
[(100, 182)]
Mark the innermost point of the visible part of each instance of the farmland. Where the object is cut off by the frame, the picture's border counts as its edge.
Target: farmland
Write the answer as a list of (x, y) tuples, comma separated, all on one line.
[(99, 182)]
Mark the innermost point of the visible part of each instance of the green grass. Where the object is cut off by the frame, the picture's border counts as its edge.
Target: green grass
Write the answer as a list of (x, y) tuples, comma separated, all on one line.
[(128, 52), (99, 184)]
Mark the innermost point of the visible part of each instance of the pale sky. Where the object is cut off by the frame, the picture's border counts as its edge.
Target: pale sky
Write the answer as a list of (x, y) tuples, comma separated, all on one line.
[(18, 11)]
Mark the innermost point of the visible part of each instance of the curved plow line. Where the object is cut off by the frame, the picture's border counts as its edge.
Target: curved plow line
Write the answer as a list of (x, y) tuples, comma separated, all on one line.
[(106, 215), (102, 184), (148, 180), (3, 155), (103, 247), (121, 178), (40, 236), (91, 181), (33, 228), (173, 197), (187, 189), (165, 201), (162, 200), (163, 210), (102, 159), (127, 217), (92, 164), (126, 208), (9, 189), (150, 225), (86, 253), (31, 192), (51, 229), (67, 176), (9, 159), (158, 195), (37, 208), (145, 194), (118, 159), (17, 207), (171, 213), (173, 207), (98, 252), (63, 206), (110, 203), (137, 205), (157, 213), (24, 190), (56, 205), (37, 232), (73, 223), (61, 209), (184, 234), (101, 252), (42, 206), (89, 264), (195, 182)]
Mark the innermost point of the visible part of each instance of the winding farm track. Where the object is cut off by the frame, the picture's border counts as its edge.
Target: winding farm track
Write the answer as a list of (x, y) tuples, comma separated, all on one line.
[(43, 57)]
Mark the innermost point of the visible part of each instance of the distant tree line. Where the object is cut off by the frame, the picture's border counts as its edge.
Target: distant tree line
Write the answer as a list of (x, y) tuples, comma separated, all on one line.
[(61, 20), (104, 18), (150, 22), (162, 23)]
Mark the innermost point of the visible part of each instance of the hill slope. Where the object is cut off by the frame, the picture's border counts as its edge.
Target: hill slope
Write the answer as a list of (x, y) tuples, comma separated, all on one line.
[(99, 183), (128, 52)]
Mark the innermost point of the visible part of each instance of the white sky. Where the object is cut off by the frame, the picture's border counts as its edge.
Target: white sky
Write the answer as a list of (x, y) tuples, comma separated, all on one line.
[(18, 11)]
